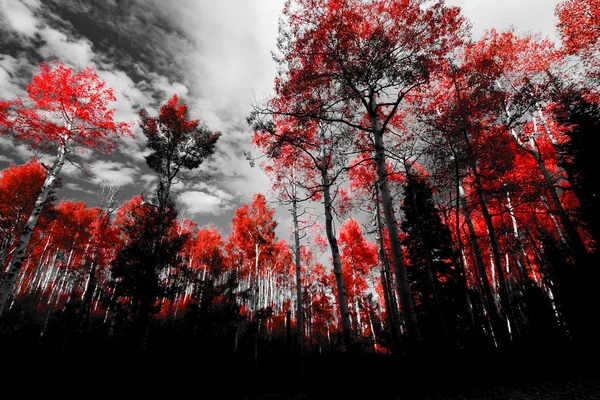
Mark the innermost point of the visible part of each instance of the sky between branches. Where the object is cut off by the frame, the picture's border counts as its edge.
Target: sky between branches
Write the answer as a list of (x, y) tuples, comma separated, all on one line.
[(214, 54)]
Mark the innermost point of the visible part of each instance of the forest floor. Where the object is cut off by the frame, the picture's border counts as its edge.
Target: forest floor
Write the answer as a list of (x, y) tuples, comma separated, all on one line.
[(541, 372), (583, 387), (573, 374)]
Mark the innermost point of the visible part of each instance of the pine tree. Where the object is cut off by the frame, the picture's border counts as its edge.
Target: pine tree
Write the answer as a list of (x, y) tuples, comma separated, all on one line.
[(138, 265), (429, 254)]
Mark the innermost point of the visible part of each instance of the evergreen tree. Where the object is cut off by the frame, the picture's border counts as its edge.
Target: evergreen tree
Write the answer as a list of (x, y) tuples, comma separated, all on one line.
[(429, 255), (579, 158), (138, 265), (576, 282)]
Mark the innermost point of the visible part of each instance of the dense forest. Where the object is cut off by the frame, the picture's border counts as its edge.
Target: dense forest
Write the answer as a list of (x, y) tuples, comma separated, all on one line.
[(441, 190)]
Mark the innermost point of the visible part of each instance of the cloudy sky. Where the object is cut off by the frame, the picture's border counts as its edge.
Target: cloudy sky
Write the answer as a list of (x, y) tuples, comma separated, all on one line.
[(214, 54)]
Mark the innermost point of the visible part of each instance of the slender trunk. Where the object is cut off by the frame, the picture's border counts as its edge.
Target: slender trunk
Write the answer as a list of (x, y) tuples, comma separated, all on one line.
[(10, 277), (86, 302), (521, 256), (408, 307), (256, 281), (390, 298), (461, 267), (6, 242), (256, 303), (300, 311), (335, 254), (490, 300), (507, 305), (373, 337), (559, 230), (62, 273), (146, 300), (573, 238), (358, 328)]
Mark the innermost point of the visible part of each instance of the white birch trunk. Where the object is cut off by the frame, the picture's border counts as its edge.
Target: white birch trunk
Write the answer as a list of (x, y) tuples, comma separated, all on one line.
[(10, 278)]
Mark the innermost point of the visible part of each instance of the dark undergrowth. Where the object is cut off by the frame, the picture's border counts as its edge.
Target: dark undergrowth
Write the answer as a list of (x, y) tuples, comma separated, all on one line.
[(174, 365)]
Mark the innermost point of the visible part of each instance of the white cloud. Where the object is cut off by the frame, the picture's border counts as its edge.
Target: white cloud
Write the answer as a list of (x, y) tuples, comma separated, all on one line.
[(232, 58), (23, 152), (112, 172), (83, 153), (178, 186), (162, 84), (77, 187), (20, 151), (148, 179), (72, 171), (10, 84), (19, 16), (6, 143), (58, 45), (130, 98), (535, 16), (201, 203), (223, 195), (3, 158), (214, 190)]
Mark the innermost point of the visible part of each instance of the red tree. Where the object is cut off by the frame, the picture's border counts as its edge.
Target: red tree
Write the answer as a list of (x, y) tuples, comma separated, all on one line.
[(63, 111), (353, 62), (252, 240), (19, 188)]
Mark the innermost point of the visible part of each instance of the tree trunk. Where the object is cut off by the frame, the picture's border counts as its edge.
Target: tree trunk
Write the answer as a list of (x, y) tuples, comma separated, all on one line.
[(497, 320), (11, 276), (390, 298), (86, 302), (335, 254), (459, 262), (573, 238), (300, 311), (408, 308), (505, 297), (140, 329), (6, 242)]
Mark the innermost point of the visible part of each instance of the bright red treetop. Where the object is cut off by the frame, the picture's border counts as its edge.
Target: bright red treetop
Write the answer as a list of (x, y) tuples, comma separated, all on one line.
[(358, 254), (579, 24), (253, 224), (209, 247), (62, 108), (19, 187), (339, 54)]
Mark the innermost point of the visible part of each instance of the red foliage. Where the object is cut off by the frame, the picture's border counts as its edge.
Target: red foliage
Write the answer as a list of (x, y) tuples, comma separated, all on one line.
[(19, 189), (579, 25), (63, 108)]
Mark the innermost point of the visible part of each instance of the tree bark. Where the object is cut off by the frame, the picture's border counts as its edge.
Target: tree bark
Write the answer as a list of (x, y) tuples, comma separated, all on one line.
[(10, 277), (388, 293), (573, 238), (335, 254), (300, 310), (408, 308), (86, 302), (459, 262), (497, 320), (505, 297)]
